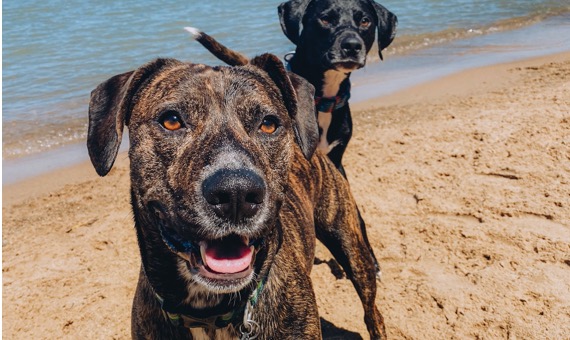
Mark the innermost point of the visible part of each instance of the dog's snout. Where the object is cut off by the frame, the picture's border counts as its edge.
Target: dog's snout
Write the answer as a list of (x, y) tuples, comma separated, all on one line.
[(351, 46), (234, 194)]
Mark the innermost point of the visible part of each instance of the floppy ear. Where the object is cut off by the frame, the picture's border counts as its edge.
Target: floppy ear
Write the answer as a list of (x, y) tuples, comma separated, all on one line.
[(387, 24), (298, 97), (109, 110), (305, 124), (290, 16)]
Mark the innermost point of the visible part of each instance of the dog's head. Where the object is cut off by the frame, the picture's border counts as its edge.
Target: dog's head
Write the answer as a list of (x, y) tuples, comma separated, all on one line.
[(210, 150), (337, 34)]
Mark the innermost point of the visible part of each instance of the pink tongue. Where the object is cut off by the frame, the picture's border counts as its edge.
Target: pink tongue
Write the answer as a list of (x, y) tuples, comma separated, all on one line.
[(227, 259)]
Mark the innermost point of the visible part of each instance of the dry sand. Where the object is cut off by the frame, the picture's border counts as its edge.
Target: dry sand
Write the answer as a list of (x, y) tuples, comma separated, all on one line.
[(464, 183)]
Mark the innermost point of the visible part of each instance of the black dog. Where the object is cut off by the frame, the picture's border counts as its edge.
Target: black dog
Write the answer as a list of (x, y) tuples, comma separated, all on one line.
[(335, 38)]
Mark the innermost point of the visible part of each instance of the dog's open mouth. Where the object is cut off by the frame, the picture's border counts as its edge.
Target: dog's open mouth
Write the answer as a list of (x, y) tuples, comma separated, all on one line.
[(222, 263), (228, 258)]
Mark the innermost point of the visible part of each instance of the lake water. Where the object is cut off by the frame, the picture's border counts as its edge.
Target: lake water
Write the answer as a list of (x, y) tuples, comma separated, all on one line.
[(55, 52)]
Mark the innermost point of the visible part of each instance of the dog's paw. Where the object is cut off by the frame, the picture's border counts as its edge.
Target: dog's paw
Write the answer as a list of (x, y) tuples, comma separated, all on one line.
[(325, 147), (378, 272)]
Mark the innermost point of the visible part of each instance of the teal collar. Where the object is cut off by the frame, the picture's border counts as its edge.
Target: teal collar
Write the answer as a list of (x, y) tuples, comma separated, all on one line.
[(212, 318)]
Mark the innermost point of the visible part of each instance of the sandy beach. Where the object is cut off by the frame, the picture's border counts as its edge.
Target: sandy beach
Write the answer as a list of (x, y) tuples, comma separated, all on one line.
[(464, 183)]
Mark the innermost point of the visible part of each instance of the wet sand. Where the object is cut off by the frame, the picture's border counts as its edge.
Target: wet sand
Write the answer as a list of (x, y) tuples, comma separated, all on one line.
[(463, 182)]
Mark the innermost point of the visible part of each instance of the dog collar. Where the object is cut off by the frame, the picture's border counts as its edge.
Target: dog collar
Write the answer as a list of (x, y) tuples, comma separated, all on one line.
[(217, 317), (330, 104), (287, 60)]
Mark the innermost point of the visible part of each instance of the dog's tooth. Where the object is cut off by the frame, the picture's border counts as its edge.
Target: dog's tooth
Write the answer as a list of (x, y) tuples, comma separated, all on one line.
[(203, 246)]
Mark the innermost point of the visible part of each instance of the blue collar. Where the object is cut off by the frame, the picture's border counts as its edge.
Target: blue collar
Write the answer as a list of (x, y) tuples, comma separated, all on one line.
[(287, 60)]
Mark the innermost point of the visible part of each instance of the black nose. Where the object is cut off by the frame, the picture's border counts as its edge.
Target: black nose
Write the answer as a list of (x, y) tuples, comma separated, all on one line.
[(351, 46), (234, 194)]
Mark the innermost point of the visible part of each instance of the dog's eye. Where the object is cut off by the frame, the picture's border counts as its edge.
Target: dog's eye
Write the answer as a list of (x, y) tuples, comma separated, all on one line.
[(269, 125), (325, 20), (365, 22), (171, 121)]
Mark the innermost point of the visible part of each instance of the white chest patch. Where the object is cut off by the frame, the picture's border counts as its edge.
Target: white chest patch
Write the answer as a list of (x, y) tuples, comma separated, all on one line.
[(325, 119), (331, 82), (331, 85)]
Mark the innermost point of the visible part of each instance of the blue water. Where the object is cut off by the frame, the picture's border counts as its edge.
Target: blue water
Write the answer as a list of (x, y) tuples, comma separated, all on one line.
[(55, 52)]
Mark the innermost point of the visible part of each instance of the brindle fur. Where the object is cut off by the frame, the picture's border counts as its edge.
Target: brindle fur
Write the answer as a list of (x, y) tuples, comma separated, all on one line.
[(307, 198)]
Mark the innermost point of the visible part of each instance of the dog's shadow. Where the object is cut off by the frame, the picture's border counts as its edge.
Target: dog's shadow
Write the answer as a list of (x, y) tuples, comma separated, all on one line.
[(332, 332), (328, 329)]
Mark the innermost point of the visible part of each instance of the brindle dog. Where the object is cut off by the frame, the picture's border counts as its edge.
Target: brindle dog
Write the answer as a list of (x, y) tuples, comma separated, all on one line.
[(228, 196)]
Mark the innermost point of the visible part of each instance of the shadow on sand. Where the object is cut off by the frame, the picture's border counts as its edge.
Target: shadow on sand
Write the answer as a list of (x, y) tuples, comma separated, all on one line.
[(328, 329), (332, 332)]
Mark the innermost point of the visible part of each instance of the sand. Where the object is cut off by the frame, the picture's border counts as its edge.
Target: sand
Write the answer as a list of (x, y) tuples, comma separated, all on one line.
[(464, 183)]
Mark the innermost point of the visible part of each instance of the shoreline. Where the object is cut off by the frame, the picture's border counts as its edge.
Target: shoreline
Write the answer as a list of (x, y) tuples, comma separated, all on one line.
[(55, 175), (377, 79), (462, 182)]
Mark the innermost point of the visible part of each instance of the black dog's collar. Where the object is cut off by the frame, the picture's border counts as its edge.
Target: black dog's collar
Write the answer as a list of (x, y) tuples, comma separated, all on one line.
[(330, 104), (287, 60)]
